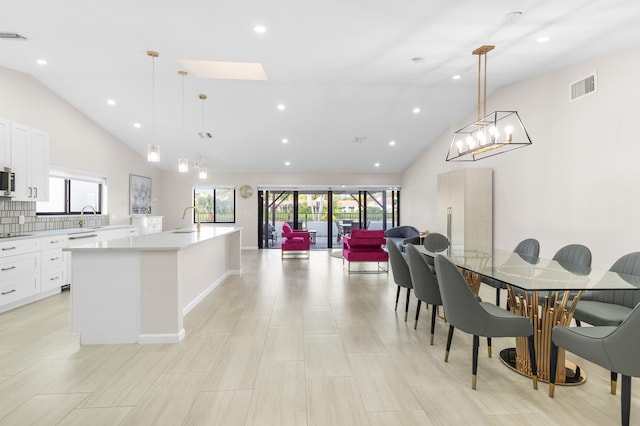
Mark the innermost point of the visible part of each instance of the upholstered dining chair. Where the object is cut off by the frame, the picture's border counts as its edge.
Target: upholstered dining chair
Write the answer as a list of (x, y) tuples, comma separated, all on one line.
[(528, 249), (435, 243), (614, 348), (466, 313), (610, 307), (425, 286), (401, 274)]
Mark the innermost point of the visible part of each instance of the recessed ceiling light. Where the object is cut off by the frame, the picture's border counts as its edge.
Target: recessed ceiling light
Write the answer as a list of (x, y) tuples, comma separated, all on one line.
[(418, 60), (377, 164), (281, 107), (137, 125), (416, 110), (285, 140), (111, 102), (456, 77), (41, 62), (392, 143), (543, 39), (260, 29), (286, 163)]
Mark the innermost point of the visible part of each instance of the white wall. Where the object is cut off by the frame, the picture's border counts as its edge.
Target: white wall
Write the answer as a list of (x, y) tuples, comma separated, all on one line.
[(178, 189), (76, 142), (577, 183)]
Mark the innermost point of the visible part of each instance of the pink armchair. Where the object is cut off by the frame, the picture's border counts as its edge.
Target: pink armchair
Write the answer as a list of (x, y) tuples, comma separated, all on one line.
[(295, 242), (365, 246)]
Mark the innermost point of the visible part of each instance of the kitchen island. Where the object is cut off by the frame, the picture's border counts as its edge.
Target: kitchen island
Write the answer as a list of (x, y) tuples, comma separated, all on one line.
[(137, 289)]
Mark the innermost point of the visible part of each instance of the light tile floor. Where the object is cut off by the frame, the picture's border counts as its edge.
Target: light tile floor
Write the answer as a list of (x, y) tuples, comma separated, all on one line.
[(296, 342)]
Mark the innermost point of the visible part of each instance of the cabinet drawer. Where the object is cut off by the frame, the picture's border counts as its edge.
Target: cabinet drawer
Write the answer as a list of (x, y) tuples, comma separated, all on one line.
[(14, 247), (53, 279), (52, 259), (155, 221), (19, 289), (55, 241), (82, 238), (131, 232), (18, 266)]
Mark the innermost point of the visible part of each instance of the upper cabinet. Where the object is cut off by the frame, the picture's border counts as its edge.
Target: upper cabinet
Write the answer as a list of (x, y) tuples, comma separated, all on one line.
[(30, 162), (5, 142)]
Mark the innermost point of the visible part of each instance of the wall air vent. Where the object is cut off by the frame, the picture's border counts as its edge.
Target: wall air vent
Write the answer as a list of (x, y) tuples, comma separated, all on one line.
[(583, 87), (11, 36)]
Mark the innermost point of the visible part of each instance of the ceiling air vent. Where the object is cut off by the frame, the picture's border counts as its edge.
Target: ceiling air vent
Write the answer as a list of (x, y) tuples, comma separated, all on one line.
[(583, 87), (11, 36), (206, 135)]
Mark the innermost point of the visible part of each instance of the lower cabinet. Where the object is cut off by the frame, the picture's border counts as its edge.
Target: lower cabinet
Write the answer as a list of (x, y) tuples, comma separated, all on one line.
[(147, 224), (34, 268)]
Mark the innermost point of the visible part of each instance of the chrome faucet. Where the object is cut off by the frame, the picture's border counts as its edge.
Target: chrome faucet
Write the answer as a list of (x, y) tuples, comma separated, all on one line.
[(82, 214), (196, 211)]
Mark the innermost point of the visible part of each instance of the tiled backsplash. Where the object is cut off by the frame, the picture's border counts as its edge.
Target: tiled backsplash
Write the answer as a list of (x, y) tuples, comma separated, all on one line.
[(11, 211)]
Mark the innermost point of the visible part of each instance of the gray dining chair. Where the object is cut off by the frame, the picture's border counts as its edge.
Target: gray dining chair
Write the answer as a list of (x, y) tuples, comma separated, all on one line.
[(425, 285), (528, 249), (611, 307), (401, 274), (435, 243), (614, 348), (466, 313)]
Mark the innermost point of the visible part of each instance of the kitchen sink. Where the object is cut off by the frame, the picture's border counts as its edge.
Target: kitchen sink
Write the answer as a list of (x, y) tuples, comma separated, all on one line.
[(10, 235), (183, 231)]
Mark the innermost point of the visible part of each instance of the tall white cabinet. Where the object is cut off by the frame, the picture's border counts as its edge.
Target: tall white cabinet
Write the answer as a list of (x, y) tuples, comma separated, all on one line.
[(30, 162), (465, 208), (5, 142)]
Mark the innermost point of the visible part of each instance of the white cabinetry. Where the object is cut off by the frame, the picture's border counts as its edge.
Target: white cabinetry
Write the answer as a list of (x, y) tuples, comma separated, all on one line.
[(30, 162), (5, 142), (19, 271), (54, 263), (465, 208), (34, 268), (147, 224)]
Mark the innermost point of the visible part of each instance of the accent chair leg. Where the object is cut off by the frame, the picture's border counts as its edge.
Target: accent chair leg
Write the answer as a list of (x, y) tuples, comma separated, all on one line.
[(626, 400), (434, 311), (553, 366), (489, 346), (498, 296), (474, 365), (578, 323), (614, 382), (415, 325), (397, 297), (449, 338), (406, 309), (532, 360)]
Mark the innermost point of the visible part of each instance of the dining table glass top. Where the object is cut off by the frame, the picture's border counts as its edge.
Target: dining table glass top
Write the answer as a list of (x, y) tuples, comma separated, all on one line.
[(535, 274)]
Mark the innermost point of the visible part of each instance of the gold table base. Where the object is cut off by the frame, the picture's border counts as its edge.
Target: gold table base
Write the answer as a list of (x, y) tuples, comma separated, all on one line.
[(557, 309), (508, 358)]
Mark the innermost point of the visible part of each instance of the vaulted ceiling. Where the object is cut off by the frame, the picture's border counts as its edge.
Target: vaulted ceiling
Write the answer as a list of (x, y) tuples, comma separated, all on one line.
[(349, 73)]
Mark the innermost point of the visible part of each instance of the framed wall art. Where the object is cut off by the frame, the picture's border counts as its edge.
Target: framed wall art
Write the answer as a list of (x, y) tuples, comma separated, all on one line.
[(139, 194)]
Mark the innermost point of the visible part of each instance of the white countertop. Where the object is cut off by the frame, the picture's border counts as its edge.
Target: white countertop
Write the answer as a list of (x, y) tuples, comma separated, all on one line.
[(173, 240), (66, 231)]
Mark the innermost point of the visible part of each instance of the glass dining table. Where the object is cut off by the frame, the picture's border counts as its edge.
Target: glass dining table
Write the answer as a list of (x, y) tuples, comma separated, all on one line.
[(545, 291)]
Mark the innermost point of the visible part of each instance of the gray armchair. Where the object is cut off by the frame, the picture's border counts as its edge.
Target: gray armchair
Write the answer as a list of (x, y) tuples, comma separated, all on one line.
[(614, 348), (403, 235), (425, 285), (401, 274), (610, 307), (466, 313)]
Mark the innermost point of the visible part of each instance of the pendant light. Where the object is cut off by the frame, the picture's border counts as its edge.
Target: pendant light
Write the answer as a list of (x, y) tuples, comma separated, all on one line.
[(204, 134), (491, 134), (183, 163), (153, 151), (201, 165)]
